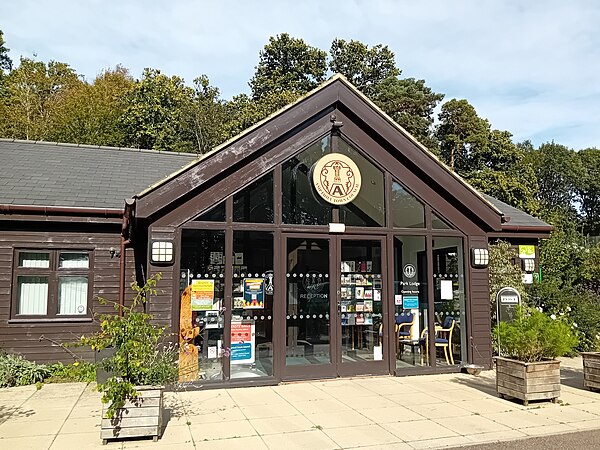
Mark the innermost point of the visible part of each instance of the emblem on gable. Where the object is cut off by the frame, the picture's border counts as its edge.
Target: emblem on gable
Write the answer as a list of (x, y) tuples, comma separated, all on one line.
[(336, 178)]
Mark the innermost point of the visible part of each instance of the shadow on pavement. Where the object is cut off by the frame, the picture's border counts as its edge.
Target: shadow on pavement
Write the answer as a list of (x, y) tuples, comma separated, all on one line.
[(13, 411), (483, 384)]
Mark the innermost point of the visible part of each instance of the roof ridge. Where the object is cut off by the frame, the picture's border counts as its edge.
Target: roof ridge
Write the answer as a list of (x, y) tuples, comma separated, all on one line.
[(99, 147)]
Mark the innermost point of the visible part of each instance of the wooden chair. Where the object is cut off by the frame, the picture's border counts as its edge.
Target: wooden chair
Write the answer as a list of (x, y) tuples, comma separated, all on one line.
[(404, 324), (443, 339)]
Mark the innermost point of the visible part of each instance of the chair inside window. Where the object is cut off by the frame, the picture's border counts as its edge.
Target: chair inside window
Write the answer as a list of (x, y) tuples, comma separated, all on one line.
[(443, 339), (404, 324)]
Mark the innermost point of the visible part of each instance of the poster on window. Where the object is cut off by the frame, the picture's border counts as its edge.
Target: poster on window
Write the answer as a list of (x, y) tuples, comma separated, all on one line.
[(254, 293), (242, 343), (203, 295)]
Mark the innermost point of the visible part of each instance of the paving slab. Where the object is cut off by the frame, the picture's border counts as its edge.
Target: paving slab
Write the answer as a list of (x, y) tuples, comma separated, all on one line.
[(432, 411)]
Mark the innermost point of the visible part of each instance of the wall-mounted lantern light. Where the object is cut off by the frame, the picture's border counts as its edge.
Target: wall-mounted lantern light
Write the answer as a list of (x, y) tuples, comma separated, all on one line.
[(480, 258), (528, 264), (162, 252)]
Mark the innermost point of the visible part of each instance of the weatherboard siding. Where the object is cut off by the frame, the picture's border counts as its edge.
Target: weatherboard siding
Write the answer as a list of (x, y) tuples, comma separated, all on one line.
[(24, 338)]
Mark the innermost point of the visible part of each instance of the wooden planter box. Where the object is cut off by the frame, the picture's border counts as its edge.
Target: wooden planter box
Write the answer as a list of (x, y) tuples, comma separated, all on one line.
[(591, 370), (139, 418), (528, 381)]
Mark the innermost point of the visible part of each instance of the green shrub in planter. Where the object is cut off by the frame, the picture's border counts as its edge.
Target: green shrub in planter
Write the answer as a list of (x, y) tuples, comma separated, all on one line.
[(138, 358), (534, 336)]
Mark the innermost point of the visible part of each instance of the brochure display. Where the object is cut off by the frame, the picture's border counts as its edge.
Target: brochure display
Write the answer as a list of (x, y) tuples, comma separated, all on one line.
[(359, 290)]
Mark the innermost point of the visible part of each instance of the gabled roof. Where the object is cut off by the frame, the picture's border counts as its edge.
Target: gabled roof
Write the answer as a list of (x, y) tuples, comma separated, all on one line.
[(70, 175), (311, 112), (337, 78)]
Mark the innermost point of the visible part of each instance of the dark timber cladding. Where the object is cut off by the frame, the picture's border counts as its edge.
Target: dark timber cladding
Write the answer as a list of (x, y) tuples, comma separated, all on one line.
[(74, 201), (39, 339), (170, 204)]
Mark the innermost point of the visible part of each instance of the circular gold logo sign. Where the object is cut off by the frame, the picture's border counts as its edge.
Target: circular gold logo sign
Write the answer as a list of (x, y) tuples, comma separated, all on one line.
[(336, 178)]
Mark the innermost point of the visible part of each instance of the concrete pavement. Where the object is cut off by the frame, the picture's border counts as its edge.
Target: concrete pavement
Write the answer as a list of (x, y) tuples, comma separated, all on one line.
[(431, 411)]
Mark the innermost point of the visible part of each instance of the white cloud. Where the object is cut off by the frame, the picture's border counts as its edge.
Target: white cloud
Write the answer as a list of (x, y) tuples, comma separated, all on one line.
[(529, 67)]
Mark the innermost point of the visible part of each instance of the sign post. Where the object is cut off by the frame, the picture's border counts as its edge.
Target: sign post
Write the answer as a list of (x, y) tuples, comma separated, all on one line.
[(507, 301)]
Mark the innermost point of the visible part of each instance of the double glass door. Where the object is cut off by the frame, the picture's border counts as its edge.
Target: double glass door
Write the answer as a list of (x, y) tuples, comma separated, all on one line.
[(335, 297)]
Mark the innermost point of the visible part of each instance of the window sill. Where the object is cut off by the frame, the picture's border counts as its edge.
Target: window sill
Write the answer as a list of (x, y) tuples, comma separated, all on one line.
[(51, 320)]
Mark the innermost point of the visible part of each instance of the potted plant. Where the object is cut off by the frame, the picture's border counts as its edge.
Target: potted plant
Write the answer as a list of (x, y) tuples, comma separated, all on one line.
[(528, 346), (139, 366)]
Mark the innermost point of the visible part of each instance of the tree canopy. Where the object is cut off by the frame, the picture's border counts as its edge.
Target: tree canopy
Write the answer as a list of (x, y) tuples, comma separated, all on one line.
[(50, 101)]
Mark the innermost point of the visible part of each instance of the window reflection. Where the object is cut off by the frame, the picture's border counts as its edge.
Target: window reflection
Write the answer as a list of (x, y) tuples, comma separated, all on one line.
[(255, 202), (366, 210), (300, 204), (407, 211)]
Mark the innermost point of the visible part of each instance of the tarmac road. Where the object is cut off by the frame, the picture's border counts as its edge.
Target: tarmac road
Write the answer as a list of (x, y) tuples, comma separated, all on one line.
[(583, 440)]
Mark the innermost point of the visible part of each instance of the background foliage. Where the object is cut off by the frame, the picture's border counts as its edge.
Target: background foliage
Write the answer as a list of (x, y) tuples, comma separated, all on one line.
[(50, 101)]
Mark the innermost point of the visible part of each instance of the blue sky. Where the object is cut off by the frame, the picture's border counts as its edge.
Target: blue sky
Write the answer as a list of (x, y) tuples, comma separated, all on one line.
[(530, 67)]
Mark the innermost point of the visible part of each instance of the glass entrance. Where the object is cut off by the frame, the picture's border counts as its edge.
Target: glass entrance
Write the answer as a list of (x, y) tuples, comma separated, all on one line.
[(361, 299), (308, 335), (335, 297)]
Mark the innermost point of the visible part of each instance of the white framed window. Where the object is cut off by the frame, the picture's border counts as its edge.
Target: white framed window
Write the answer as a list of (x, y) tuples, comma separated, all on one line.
[(51, 284)]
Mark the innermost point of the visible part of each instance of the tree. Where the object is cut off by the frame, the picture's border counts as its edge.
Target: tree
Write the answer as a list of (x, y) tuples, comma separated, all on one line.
[(153, 116), (462, 135), (5, 61), (32, 92), (364, 67), (588, 190), (558, 171), (500, 169), (90, 113), (205, 117), (243, 111), (288, 64), (410, 103)]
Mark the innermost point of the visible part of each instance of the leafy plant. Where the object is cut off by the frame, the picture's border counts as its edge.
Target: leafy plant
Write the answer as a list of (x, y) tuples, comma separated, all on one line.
[(79, 371), (137, 359), (579, 307), (534, 336), (17, 371)]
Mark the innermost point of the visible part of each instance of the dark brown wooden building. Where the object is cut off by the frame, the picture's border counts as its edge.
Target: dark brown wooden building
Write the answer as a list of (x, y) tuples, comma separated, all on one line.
[(324, 241)]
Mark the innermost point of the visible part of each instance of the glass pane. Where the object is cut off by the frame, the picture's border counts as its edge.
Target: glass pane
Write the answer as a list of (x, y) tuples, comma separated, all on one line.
[(74, 260), (307, 302), (202, 292), (300, 204), (361, 304), (367, 210), (32, 294), (407, 211), (449, 297), (215, 214), (439, 224), (72, 295), (255, 203), (252, 313), (410, 301), (34, 259)]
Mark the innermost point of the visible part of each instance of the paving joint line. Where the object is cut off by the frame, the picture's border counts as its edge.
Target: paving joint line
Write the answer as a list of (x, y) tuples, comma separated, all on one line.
[(69, 415)]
